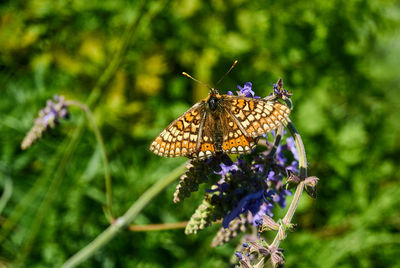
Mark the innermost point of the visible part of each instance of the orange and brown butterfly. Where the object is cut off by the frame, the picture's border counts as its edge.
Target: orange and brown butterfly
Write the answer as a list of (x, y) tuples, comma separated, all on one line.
[(220, 123)]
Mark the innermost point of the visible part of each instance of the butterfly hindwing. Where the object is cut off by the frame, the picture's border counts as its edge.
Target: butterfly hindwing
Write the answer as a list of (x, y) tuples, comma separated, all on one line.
[(208, 144), (256, 116), (234, 141), (181, 137)]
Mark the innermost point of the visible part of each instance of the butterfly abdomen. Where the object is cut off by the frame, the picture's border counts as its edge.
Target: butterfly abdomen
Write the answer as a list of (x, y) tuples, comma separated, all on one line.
[(218, 136)]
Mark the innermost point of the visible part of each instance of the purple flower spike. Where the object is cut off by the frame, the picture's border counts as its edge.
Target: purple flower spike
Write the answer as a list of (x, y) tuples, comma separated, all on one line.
[(48, 118)]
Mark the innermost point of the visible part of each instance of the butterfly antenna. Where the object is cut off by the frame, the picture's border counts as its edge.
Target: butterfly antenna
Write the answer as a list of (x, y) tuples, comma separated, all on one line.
[(194, 79), (230, 69)]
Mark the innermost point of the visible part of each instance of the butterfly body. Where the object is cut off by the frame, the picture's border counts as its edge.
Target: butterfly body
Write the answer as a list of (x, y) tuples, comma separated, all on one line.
[(220, 123)]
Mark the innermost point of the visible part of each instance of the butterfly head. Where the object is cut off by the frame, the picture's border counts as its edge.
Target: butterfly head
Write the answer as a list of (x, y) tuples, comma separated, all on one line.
[(213, 99), (214, 91)]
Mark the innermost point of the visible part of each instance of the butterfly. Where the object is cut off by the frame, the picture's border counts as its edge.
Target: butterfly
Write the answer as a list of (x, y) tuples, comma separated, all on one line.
[(220, 123)]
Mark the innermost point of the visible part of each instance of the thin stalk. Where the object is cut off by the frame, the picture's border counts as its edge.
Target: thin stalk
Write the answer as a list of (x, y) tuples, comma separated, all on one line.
[(100, 140), (300, 148), (56, 178), (300, 187), (124, 220), (277, 141), (8, 188), (157, 227)]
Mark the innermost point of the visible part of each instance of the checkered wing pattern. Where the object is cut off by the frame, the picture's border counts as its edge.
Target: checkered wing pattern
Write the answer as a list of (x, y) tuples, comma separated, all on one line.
[(209, 142), (232, 127), (182, 136), (255, 117), (234, 140)]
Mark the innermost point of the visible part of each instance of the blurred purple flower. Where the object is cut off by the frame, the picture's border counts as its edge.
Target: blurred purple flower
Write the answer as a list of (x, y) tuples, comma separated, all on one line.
[(48, 118)]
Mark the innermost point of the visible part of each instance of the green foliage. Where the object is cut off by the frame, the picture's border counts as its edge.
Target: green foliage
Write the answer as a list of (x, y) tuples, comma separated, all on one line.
[(124, 59)]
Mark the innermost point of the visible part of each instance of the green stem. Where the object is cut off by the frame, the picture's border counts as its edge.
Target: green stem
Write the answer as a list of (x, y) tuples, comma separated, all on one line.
[(49, 196), (100, 140), (8, 188), (125, 220), (158, 227), (300, 187), (277, 141), (300, 149)]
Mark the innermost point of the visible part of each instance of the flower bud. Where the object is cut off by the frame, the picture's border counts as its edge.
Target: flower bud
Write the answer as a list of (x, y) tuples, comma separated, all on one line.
[(293, 180), (268, 224), (311, 186), (259, 248), (277, 258)]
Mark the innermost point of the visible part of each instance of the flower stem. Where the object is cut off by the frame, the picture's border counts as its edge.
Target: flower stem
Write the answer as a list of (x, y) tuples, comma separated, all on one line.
[(300, 187), (300, 148), (124, 221), (277, 141), (7, 191), (158, 227), (100, 140)]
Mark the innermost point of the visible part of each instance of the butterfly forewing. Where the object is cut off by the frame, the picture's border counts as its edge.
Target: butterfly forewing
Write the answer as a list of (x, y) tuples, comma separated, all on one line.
[(181, 137), (256, 116)]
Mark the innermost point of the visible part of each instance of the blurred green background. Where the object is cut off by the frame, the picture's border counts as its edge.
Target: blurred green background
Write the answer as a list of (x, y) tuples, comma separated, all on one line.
[(125, 58)]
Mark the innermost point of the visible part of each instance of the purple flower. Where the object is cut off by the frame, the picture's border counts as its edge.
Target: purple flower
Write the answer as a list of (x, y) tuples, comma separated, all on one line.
[(281, 198), (293, 167), (250, 202), (258, 168), (226, 168), (271, 176), (280, 158), (48, 118), (239, 255), (292, 147), (265, 209), (247, 91)]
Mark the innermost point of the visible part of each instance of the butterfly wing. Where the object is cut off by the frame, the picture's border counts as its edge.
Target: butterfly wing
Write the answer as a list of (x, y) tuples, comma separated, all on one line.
[(220, 133), (255, 117), (182, 136), (234, 141), (208, 143)]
